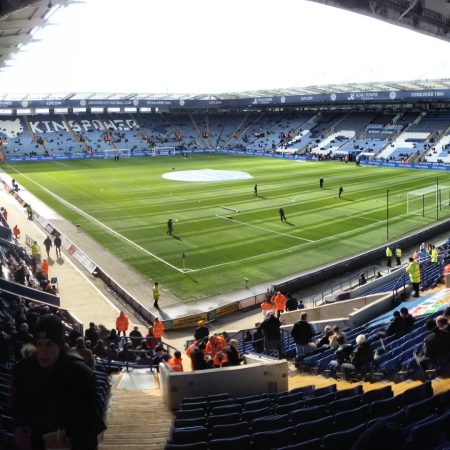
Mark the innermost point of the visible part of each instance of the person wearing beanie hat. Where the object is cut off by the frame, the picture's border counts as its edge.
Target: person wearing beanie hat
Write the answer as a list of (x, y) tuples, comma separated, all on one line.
[(52, 390)]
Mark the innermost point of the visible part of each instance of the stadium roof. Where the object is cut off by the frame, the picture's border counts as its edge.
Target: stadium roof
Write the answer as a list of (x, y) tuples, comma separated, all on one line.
[(19, 20)]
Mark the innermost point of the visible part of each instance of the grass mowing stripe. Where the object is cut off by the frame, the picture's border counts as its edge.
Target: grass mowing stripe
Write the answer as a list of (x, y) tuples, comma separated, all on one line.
[(93, 219)]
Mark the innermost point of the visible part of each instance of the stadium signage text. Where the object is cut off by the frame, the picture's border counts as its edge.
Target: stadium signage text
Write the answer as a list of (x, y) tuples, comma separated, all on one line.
[(52, 126)]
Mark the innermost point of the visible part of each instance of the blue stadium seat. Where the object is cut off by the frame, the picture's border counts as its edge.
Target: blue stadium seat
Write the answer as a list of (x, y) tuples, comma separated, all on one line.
[(190, 413), (417, 393), (343, 440), (308, 414), (325, 390), (351, 418), (313, 444), (344, 404), (289, 407), (426, 434), (344, 393), (183, 423), (230, 430), (305, 431), (234, 443), (378, 394), (270, 423), (383, 407), (195, 446), (419, 410), (223, 419), (226, 409), (268, 440), (189, 435), (322, 400), (255, 413)]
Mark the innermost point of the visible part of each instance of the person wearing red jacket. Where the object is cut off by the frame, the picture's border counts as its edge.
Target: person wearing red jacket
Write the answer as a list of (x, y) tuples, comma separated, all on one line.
[(122, 323)]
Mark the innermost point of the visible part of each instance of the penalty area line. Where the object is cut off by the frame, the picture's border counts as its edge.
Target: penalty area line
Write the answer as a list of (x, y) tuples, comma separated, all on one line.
[(100, 224)]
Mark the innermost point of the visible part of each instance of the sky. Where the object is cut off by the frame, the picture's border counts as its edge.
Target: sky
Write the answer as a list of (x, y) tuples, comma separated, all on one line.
[(210, 47)]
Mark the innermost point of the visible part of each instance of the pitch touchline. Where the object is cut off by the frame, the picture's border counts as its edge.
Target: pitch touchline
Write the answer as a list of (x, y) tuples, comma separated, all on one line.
[(85, 214), (265, 229)]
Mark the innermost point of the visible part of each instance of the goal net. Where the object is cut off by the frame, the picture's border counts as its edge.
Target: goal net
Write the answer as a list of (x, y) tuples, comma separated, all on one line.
[(163, 150), (428, 200), (114, 153)]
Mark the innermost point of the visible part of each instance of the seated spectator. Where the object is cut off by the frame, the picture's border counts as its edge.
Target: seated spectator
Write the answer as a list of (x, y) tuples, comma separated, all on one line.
[(301, 305), (135, 336), (100, 349), (334, 336), (127, 354), (112, 352), (436, 346), (84, 353), (233, 356), (41, 405), (362, 279), (160, 355), (19, 339), (324, 341), (248, 336), (113, 336), (395, 327), (408, 320), (362, 354), (176, 363), (143, 358), (342, 353)]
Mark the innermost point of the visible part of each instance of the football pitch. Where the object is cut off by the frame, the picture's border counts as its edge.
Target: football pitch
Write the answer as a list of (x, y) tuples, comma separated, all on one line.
[(125, 206)]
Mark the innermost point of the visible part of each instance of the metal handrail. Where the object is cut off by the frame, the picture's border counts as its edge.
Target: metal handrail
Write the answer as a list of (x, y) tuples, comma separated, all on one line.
[(351, 282)]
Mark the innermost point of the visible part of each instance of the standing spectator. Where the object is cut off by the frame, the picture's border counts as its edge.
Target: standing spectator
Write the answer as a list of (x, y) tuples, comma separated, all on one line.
[(150, 341), (176, 363), (16, 232), (214, 351), (301, 304), (135, 336), (266, 308), (54, 391), (398, 255), (36, 252), (408, 320), (156, 295), (279, 301), (4, 213), (48, 245), (103, 332), (44, 268), (29, 212), (291, 303), (122, 323), (302, 333), (389, 256), (272, 334), (413, 270), (57, 242), (202, 331), (158, 328), (198, 357), (258, 339), (434, 254), (233, 355), (91, 334), (282, 215)]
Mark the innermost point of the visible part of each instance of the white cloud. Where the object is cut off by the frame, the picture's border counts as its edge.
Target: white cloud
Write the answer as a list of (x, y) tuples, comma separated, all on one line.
[(206, 46)]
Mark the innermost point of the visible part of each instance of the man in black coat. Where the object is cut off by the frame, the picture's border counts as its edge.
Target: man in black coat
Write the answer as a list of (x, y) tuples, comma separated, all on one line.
[(395, 327), (272, 334), (302, 333), (53, 391)]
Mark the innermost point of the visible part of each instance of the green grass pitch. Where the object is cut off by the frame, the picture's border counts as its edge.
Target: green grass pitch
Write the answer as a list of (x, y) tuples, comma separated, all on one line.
[(125, 206)]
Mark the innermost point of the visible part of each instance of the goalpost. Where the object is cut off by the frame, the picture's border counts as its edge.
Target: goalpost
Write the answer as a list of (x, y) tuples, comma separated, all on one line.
[(111, 153), (427, 200), (163, 150)]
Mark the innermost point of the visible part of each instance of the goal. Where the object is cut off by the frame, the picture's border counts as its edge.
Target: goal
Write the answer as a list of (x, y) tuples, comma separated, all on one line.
[(428, 200), (167, 150), (111, 153)]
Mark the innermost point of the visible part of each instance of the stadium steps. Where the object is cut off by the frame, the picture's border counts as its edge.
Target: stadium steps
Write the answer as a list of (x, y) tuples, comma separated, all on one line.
[(137, 419)]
